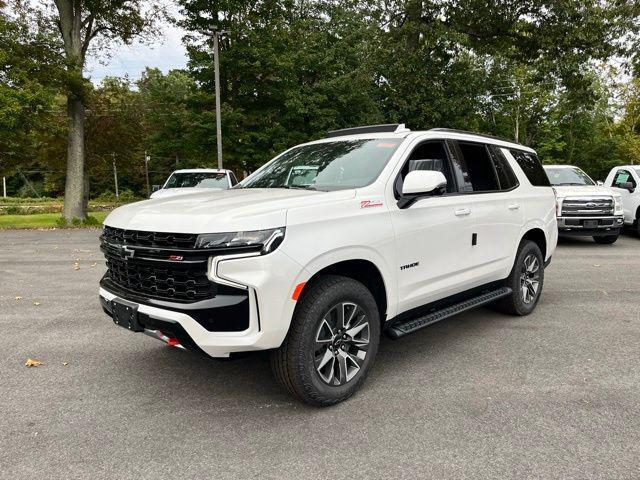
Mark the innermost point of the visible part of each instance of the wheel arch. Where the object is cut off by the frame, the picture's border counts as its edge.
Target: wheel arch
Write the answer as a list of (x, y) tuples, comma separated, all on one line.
[(537, 236), (364, 271)]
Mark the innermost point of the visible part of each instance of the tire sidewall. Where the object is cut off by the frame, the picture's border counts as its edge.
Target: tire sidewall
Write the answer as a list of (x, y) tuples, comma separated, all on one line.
[(527, 248), (346, 290)]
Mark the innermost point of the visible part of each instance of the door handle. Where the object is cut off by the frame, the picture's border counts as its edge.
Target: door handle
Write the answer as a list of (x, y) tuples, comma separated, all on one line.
[(462, 212), (514, 206)]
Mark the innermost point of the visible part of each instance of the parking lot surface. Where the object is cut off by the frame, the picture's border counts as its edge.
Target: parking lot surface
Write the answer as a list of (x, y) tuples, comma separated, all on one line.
[(555, 395)]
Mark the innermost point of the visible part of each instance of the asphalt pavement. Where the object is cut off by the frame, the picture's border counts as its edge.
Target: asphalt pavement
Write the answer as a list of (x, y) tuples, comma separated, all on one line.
[(555, 395)]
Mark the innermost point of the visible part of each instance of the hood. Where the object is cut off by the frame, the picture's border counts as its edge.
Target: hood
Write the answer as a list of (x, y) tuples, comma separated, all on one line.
[(584, 191), (219, 211), (169, 192)]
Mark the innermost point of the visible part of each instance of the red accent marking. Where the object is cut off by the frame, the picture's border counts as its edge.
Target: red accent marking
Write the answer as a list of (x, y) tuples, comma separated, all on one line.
[(370, 203), (176, 258), (298, 291), (173, 342)]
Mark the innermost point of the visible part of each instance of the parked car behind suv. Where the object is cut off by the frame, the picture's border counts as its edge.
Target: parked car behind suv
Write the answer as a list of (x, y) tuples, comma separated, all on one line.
[(387, 230), (584, 208), (625, 180), (195, 180)]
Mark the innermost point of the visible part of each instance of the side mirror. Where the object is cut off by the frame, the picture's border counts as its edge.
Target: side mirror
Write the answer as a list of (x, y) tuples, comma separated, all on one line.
[(155, 188), (421, 183), (627, 186), (600, 183)]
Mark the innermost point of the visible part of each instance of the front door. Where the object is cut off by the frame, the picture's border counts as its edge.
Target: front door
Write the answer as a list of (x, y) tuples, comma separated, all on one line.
[(433, 235)]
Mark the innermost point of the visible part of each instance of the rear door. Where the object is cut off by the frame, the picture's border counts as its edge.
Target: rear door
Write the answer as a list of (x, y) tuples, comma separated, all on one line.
[(498, 213)]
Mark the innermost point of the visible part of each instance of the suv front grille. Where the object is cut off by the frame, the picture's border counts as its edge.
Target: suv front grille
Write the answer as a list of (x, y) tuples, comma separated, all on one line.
[(164, 266), (588, 207)]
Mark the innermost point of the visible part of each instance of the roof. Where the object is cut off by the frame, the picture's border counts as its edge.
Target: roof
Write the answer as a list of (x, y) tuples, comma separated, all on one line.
[(559, 166), (398, 130), (201, 170)]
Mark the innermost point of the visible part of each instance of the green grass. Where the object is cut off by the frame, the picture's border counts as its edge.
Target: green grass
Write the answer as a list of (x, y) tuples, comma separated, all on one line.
[(45, 220)]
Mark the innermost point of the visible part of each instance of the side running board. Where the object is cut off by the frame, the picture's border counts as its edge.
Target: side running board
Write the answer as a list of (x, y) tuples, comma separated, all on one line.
[(409, 326)]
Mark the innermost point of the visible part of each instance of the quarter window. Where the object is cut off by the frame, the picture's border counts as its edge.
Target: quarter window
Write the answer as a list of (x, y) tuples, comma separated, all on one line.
[(531, 167)]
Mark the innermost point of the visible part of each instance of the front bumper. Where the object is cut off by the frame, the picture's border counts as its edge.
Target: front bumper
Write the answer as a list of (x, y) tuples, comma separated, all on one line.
[(267, 282), (590, 226)]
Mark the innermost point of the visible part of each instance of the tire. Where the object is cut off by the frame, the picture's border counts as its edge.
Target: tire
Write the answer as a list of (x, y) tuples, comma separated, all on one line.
[(606, 240), (516, 303), (314, 338)]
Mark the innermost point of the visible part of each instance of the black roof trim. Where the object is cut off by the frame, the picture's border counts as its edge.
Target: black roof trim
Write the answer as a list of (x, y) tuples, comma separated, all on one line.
[(466, 132), (388, 127)]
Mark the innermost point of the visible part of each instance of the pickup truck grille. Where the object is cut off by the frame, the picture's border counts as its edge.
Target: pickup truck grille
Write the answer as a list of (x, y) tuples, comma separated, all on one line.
[(163, 266), (588, 207)]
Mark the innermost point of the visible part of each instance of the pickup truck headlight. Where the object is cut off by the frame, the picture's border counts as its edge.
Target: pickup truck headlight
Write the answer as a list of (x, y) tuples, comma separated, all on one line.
[(265, 240), (617, 206)]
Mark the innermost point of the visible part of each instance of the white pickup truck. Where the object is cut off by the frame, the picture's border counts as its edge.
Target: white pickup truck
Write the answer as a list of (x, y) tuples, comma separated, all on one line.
[(585, 209), (195, 180), (625, 180)]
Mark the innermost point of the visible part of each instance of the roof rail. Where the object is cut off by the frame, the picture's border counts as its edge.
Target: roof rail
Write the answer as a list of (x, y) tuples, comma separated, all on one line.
[(453, 130), (388, 127)]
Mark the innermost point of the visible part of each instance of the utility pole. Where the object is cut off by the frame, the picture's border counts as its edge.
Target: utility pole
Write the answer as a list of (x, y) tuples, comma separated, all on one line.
[(517, 132), (146, 171), (115, 175), (216, 67), (4, 187)]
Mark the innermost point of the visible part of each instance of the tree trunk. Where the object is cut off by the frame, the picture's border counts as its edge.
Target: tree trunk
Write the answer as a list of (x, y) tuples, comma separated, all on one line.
[(74, 205)]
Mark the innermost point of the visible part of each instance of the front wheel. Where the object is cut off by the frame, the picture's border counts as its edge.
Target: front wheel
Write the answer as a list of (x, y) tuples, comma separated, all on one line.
[(525, 280), (606, 240), (332, 342)]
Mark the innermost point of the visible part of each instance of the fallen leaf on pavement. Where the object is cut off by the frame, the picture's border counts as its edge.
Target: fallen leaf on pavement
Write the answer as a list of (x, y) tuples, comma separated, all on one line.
[(94, 264), (65, 364), (18, 298), (32, 363), (36, 303), (76, 266)]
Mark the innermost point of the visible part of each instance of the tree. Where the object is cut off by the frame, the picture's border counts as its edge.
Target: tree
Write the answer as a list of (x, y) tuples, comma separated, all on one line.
[(29, 64), (83, 23)]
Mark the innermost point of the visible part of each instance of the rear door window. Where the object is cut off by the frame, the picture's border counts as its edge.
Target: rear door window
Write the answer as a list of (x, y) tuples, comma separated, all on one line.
[(506, 175), (474, 168)]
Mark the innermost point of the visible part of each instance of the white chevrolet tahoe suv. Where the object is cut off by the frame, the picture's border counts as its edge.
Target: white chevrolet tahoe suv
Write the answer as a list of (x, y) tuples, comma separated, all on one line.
[(385, 230), (625, 180), (585, 209)]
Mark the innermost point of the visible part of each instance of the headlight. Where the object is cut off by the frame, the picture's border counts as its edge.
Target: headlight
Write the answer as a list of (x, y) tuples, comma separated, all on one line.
[(264, 240), (558, 204), (617, 206)]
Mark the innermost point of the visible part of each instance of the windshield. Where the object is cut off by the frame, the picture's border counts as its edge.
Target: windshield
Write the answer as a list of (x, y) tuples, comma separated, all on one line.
[(335, 165), (197, 179), (568, 176)]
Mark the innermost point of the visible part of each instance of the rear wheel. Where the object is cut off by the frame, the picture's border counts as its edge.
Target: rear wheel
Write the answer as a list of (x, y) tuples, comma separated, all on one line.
[(525, 280), (606, 240), (332, 342)]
